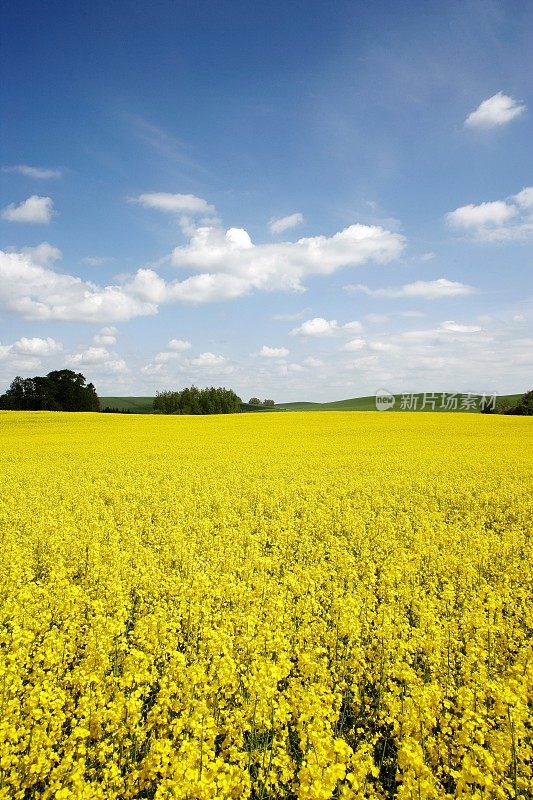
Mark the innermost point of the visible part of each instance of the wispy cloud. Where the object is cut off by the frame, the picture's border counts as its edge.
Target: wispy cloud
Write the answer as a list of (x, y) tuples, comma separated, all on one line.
[(285, 223), (427, 290), (174, 203), (96, 261), (39, 173), (163, 143)]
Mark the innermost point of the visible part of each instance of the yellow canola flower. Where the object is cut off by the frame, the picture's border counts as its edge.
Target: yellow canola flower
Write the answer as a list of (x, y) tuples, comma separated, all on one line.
[(308, 606)]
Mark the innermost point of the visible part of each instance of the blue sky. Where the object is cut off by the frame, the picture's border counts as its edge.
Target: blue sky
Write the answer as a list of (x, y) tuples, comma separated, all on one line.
[(300, 200)]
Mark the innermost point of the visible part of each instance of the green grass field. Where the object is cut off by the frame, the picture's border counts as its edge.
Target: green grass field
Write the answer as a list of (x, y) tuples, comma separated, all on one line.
[(136, 405), (143, 405)]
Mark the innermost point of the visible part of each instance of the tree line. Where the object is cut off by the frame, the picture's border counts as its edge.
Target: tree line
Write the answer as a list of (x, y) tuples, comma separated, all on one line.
[(192, 400), (524, 407), (255, 401)]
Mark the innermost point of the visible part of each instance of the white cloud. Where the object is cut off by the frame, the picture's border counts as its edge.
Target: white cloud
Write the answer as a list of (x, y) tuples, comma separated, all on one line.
[(179, 345), (174, 203), (230, 264), (37, 292), (353, 327), (273, 352), (485, 214), (35, 210), (285, 223), (318, 326), (313, 362), (208, 360), (40, 173), (354, 344), (383, 347), (524, 198), (43, 254), (427, 256), (427, 290), (175, 350), (99, 359), (496, 110), (152, 369), (106, 336), (497, 221), (455, 327), (166, 355), (93, 355), (37, 347)]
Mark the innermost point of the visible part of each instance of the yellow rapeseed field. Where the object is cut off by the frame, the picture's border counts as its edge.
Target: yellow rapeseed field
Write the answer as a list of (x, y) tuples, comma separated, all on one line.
[(298, 605)]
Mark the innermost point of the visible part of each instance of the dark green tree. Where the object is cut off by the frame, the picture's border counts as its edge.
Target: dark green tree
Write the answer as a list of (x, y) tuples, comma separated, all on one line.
[(60, 390), (524, 407), (192, 400), (254, 401), (268, 402)]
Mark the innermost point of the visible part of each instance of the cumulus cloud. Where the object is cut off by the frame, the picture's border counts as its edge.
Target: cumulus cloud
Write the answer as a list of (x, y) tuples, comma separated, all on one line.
[(318, 326), (106, 336), (313, 362), (354, 344), (174, 203), (179, 345), (37, 347), (35, 209), (99, 359), (43, 254), (175, 350), (285, 223), (427, 290), (37, 292), (40, 173), (225, 265), (494, 111), (235, 265), (208, 360), (92, 355), (30, 350), (352, 327), (273, 352), (498, 220)]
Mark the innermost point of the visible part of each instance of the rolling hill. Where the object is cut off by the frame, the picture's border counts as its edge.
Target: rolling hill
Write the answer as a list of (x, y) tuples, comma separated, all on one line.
[(143, 405)]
